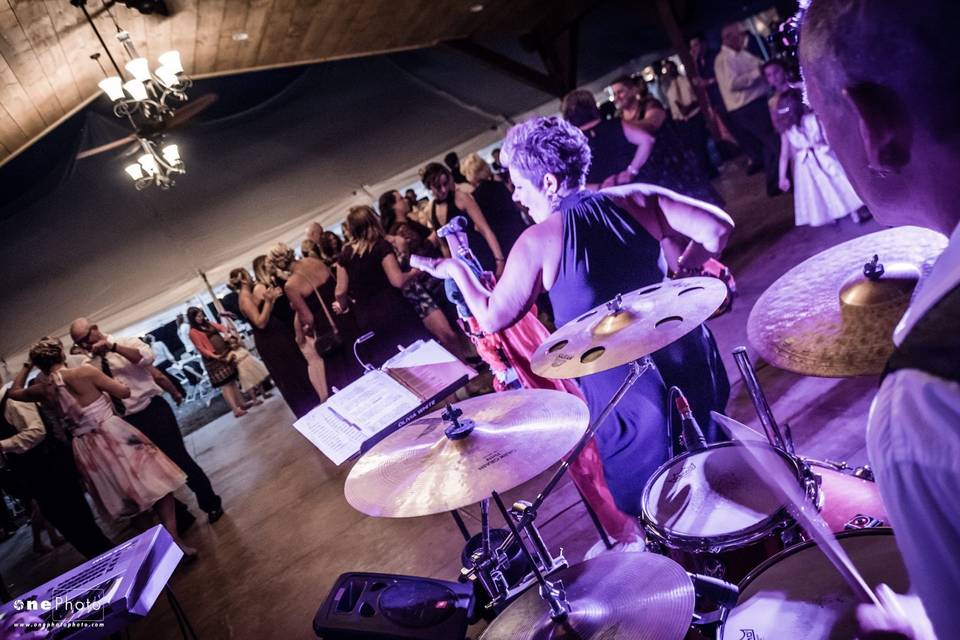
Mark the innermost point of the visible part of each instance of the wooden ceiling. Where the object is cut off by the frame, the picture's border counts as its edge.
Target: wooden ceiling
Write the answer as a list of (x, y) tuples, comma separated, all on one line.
[(46, 73)]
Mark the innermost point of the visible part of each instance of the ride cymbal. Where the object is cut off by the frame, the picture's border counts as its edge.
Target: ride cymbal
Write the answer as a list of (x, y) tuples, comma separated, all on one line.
[(627, 596), (615, 333), (826, 317), (418, 470)]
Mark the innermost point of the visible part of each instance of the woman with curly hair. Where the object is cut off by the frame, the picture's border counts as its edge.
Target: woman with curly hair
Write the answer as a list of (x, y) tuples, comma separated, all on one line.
[(123, 470)]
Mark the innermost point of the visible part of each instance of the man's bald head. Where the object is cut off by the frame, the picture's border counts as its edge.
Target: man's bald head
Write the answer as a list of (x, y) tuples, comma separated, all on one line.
[(79, 328), (883, 77), (314, 232), (732, 35), (908, 47)]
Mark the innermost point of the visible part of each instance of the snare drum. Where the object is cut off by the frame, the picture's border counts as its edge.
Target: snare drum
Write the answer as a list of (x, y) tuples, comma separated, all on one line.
[(711, 511), (799, 594)]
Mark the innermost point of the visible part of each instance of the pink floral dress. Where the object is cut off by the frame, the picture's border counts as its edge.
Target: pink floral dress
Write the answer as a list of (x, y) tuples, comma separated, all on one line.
[(122, 469)]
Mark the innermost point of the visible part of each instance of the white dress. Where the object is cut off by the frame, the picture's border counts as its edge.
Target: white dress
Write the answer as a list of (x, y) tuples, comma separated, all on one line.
[(250, 369), (124, 472), (821, 191)]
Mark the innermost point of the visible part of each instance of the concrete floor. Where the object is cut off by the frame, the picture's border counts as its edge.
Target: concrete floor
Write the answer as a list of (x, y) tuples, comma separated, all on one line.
[(288, 531)]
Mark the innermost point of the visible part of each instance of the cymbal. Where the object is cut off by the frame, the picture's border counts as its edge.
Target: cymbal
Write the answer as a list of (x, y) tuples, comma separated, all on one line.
[(826, 318), (418, 470), (627, 596), (648, 319)]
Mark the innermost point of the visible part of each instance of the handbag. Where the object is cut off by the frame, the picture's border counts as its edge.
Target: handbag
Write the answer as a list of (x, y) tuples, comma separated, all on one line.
[(331, 340)]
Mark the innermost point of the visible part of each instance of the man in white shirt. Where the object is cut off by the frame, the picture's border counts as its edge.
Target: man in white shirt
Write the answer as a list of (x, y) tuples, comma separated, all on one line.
[(43, 468), (129, 360), (874, 73), (744, 93)]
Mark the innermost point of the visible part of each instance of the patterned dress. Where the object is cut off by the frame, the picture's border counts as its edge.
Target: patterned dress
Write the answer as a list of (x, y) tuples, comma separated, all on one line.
[(122, 469)]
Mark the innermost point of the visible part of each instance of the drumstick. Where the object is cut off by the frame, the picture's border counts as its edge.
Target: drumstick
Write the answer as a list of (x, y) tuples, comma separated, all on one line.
[(802, 511)]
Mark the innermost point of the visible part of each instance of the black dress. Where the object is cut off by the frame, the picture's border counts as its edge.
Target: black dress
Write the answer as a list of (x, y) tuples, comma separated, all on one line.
[(503, 216), (476, 241), (277, 346), (606, 252), (671, 163), (377, 305), (340, 366)]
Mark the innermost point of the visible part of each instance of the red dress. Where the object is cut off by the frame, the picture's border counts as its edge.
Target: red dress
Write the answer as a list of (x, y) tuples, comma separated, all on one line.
[(512, 347)]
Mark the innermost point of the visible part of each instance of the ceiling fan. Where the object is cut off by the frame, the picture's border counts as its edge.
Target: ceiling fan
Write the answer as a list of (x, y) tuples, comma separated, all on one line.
[(152, 130)]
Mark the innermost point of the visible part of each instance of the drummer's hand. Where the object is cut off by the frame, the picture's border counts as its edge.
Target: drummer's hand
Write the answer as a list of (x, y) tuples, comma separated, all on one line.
[(902, 617), (436, 267)]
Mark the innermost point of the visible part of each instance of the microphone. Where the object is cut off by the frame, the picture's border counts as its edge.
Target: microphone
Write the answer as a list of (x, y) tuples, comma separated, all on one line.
[(719, 591), (691, 434)]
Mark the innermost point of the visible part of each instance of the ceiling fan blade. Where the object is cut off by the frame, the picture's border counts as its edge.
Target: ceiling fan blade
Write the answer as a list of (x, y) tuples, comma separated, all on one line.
[(86, 153), (190, 110)]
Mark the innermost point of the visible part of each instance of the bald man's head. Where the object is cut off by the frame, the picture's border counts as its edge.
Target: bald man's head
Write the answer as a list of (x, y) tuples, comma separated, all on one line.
[(314, 232), (883, 76), (79, 328)]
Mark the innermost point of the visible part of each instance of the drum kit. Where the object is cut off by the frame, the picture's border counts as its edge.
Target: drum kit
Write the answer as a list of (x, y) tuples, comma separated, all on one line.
[(730, 559)]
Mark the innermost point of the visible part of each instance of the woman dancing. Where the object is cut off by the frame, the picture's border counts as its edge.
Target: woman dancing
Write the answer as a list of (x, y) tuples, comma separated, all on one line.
[(585, 248), (122, 469)]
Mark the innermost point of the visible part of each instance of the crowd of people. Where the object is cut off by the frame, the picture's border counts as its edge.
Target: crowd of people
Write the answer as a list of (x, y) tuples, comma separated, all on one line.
[(580, 207)]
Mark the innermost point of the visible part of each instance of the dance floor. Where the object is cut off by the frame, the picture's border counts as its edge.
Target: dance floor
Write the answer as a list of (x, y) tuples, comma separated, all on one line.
[(288, 532)]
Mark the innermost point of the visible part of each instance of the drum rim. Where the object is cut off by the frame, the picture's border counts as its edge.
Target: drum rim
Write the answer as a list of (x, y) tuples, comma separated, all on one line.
[(723, 542), (801, 546)]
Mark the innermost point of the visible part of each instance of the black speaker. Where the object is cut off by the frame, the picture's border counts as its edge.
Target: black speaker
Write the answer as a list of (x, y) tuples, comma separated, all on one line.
[(380, 606)]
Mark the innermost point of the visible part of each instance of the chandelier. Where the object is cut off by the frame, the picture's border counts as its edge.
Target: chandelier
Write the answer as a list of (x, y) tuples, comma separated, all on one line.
[(146, 100), (155, 167)]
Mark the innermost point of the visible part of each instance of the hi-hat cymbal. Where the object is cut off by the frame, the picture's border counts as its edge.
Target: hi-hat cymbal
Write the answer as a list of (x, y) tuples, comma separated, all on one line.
[(418, 470), (627, 596), (647, 320), (826, 318)]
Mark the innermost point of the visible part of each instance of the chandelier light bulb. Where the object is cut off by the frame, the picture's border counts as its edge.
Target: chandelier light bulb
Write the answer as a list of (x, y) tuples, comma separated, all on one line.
[(171, 60), (135, 171), (171, 154), (167, 76), (139, 68), (149, 164), (113, 87), (136, 89)]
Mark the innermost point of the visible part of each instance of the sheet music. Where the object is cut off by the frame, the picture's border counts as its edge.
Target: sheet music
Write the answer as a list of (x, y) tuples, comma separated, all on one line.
[(426, 368), (373, 402), (335, 437)]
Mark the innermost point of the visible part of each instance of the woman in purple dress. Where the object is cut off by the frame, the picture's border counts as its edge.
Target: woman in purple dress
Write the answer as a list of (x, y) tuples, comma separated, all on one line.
[(584, 249)]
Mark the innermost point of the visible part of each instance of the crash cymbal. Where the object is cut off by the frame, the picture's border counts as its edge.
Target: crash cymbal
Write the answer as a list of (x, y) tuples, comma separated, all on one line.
[(627, 596), (825, 317), (418, 470), (646, 320)]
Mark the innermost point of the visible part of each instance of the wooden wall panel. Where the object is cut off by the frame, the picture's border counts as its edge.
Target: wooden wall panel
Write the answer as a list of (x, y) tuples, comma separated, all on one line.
[(183, 32), (234, 20), (24, 65), (209, 17), (46, 73), (255, 27)]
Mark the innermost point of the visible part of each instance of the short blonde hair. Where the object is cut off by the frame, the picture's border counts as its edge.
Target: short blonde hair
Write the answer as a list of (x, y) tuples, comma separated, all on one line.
[(475, 169)]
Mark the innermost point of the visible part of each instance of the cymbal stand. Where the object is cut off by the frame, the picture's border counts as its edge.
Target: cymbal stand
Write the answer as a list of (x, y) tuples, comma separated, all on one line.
[(490, 565), (778, 436), (552, 592)]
